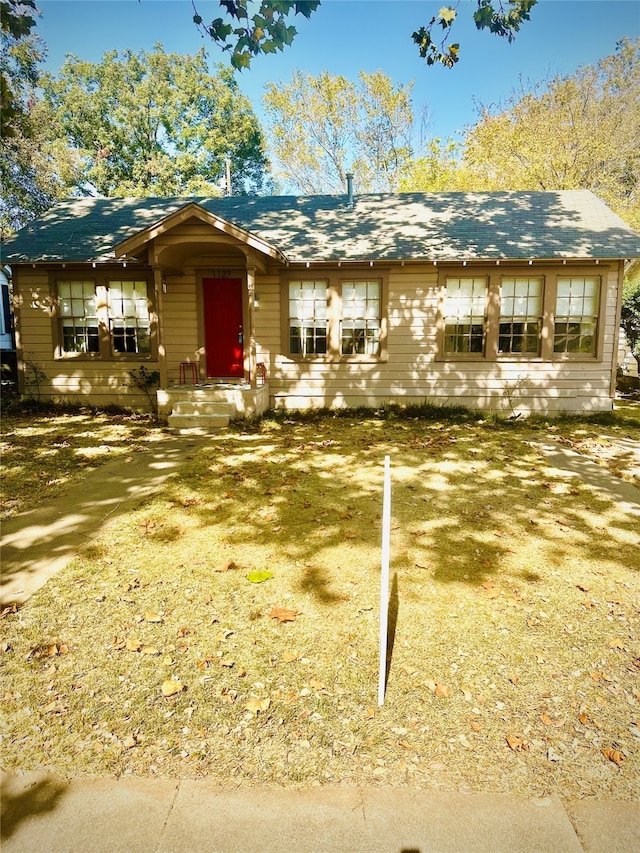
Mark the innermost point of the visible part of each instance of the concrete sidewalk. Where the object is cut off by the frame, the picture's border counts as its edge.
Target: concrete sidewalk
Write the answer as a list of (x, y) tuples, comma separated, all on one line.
[(42, 813), (37, 544)]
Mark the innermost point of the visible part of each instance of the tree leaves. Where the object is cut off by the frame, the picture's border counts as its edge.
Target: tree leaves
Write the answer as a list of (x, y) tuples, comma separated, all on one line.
[(259, 575), (171, 687), (282, 614)]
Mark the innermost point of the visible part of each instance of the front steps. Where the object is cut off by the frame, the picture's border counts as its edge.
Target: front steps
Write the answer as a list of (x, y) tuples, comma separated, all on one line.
[(210, 407)]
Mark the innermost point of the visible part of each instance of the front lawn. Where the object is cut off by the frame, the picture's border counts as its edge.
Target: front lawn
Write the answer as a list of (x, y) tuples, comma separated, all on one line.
[(228, 627)]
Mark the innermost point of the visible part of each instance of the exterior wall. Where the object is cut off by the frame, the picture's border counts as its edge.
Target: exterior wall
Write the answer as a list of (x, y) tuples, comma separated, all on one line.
[(412, 372), (91, 382)]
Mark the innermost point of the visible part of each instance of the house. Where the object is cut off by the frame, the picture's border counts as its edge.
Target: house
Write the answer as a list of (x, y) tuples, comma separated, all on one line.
[(505, 300)]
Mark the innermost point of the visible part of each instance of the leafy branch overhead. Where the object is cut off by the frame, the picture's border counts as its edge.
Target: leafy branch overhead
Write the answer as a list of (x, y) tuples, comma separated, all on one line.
[(246, 35), (266, 31), (502, 19)]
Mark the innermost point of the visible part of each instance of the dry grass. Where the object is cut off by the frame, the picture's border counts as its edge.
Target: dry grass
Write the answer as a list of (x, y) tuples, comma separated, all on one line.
[(515, 615), (42, 451)]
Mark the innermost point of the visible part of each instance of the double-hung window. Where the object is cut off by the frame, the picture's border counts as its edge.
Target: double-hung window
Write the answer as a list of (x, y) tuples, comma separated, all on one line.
[(520, 315), (308, 317), (335, 317), (129, 316), (78, 317), (360, 318), (576, 314), (545, 312), (464, 313), (103, 317)]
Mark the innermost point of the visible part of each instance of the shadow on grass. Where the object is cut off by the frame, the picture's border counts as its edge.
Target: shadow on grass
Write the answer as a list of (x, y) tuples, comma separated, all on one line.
[(465, 498)]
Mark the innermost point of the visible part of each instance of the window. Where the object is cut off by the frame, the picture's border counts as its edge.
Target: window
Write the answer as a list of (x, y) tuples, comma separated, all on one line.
[(360, 318), (540, 311), (77, 306), (103, 317), (335, 317), (464, 315), (576, 315), (308, 318), (129, 316), (520, 315)]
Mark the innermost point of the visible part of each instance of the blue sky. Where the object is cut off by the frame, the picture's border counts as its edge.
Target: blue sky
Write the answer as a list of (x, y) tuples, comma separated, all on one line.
[(347, 36)]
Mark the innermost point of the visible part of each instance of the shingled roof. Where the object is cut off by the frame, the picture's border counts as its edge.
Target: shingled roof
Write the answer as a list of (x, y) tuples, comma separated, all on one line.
[(400, 226)]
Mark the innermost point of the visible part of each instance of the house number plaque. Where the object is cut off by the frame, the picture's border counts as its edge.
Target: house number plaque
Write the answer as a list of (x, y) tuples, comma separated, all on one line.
[(222, 273)]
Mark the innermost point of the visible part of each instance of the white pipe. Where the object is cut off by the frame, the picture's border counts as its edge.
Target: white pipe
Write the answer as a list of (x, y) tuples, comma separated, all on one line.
[(384, 578)]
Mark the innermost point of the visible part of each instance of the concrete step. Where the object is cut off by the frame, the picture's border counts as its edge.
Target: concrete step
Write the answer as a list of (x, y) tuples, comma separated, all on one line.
[(206, 423), (204, 407)]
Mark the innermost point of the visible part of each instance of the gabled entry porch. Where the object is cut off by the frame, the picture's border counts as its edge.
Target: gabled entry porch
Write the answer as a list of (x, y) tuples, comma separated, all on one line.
[(204, 271)]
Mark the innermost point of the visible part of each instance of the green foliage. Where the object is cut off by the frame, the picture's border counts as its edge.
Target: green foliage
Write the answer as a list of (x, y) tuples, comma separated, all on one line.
[(324, 126), (156, 123), (245, 35), (147, 381), (630, 316), (21, 52), (34, 164), (575, 132), (265, 31)]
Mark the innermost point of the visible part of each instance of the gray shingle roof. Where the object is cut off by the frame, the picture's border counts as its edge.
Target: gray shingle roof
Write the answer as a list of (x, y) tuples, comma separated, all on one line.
[(402, 226)]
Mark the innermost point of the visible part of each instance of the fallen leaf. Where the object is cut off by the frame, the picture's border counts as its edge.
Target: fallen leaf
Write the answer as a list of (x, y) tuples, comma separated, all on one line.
[(517, 743), (226, 566), (228, 695), (129, 742), (152, 616), (259, 576), (256, 706), (150, 650), (133, 645), (282, 614), (616, 643), (369, 713), (289, 657), (170, 687), (615, 755), (442, 691), (556, 722)]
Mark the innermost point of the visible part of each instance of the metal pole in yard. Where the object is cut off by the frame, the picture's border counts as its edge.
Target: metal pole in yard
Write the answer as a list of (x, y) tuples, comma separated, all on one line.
[(384, 578)]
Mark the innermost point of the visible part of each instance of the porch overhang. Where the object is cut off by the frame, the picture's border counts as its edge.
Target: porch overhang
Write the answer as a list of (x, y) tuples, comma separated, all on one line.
[(133, 244)]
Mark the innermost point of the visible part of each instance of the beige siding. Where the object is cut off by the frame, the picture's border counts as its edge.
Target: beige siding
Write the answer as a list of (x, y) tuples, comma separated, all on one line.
[(411, 374), (85, 381)]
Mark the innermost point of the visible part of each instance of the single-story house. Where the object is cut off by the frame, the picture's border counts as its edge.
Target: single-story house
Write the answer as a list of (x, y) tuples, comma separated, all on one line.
[(503, 300)]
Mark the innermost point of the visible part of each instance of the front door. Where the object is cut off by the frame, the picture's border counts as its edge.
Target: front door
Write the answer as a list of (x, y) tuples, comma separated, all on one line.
[(223, 327)]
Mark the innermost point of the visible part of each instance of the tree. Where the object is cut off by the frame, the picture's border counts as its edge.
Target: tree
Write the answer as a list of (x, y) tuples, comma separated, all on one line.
[(578, 132), (323, 127), (35, 166), (21, 54), (630, 317), (245, 33), (156, 123)]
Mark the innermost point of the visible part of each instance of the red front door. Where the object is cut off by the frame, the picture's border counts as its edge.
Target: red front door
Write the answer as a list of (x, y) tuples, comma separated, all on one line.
[(223, 326)]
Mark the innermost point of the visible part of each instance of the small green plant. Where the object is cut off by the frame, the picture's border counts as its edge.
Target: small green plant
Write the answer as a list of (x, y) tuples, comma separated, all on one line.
[(147, 381), (34, 378)]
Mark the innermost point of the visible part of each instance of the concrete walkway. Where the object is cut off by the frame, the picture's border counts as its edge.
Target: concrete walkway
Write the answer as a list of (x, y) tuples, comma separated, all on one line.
[(41, 814), (37, 544)]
